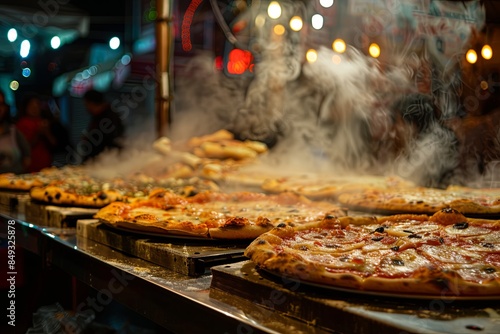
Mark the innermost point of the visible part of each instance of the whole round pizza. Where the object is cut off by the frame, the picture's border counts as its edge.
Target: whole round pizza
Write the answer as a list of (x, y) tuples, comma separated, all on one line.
[(445, 254)]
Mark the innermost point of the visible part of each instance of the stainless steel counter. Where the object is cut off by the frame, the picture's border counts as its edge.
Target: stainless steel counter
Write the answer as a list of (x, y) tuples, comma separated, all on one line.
[(184, 304), (178, 303)]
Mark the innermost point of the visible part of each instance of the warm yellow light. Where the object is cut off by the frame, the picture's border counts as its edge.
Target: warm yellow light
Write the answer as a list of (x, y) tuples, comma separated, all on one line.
[(260, 20), (279, 29), (274, 10), (374, 50), (339, 45), (487, 52), (296, 23), (311, 55), (336, 59), (471, 56), (14, 85), (484, 85)]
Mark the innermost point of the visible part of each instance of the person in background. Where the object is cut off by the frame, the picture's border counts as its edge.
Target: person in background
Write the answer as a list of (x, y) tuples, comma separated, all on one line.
[(105, 130), (51, 112), (37, 131), (14, 148)]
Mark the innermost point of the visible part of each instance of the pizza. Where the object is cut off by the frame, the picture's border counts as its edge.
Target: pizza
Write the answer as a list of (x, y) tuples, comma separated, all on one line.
[(317, 186), (86, 191), (423, 200), (215, 215), (443, 255), (219, 145), (81, 191), (24, 182), (21, 182)]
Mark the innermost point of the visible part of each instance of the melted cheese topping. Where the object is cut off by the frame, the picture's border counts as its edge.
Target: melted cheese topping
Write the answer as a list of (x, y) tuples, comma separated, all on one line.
[(219, 211), (402, 264)]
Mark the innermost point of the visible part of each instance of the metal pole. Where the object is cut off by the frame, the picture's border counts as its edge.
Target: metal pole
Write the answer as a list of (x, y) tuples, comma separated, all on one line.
[(163, 57)]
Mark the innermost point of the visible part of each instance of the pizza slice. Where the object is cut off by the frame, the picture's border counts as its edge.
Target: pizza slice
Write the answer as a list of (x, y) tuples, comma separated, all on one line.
[(318, 186), (238, 215), (422, 200)]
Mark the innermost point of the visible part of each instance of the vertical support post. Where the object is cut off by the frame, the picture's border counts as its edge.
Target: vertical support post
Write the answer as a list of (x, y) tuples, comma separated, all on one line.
[(163, 55)]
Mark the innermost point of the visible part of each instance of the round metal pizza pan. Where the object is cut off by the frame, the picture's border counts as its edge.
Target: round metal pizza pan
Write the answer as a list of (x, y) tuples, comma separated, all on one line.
[(382, 294), (159, 234), (362, 210)]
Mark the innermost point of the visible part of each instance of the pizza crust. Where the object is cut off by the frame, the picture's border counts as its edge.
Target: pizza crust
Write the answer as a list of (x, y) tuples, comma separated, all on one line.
[(22, 182), (238, 215), (59, 196), (421, 200)]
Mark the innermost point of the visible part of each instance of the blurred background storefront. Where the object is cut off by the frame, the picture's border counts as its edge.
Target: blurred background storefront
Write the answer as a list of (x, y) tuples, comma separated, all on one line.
[(158, 60)]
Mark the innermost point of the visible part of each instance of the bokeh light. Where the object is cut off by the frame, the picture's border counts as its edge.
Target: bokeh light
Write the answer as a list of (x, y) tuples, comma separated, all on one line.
[(279, 29), (374, 50), (14, 85), (12, 35), (471, 56), (114, 43), (274, 10), (317, 21), (25, 48), (339, 45), (311, 55), (55, 42), (487, 52), (296, 23), (326, 3)]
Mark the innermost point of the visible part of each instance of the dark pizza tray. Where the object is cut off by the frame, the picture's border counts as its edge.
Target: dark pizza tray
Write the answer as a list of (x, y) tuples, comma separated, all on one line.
[(55, 216), (346, 311), (13, 201), (192, 257)]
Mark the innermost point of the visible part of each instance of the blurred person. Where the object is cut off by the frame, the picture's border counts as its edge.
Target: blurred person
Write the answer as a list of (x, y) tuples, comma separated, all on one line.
[(105, 130), (37, 131), (14, 148), (51, 112)]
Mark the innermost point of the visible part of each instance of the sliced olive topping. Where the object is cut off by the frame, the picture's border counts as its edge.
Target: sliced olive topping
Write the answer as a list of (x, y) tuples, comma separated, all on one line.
[(395, 248), (261, 242), (408, 231), (380, 229), (449, 210), (489, 270), (488, 245), (441, 241), (330, 217), (281, 225), (397, 262), (415, 236), (344, 259), (303, 248), (377, 238), (461, 226)]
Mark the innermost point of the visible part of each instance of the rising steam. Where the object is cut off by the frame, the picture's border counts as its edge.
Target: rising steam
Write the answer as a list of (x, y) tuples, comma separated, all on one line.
[(341, 116)]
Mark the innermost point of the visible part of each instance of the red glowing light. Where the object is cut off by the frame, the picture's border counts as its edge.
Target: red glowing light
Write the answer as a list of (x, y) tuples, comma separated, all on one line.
[(239, 26), (186, 24), (239, 61), (219, 63)]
